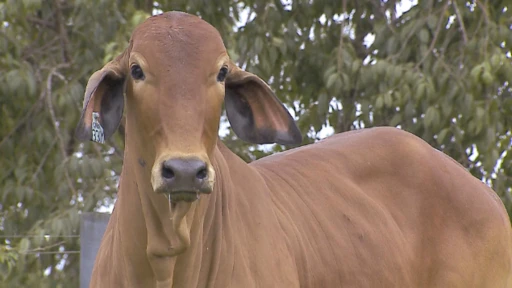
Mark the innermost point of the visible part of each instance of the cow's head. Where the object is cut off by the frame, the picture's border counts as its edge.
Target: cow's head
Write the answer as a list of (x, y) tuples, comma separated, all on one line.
[(176, 74)]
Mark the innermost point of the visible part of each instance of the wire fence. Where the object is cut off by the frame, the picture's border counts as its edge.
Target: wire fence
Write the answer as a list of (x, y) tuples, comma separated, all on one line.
[(51, 252), (34, 236), (42, 250), (92, 228)]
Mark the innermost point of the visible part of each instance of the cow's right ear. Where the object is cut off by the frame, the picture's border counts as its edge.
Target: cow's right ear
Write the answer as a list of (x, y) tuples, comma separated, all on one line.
[(104, 95)]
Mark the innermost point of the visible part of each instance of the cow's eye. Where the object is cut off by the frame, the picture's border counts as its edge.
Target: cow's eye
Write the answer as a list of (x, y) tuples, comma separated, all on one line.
[(137, 72), (222, 74)]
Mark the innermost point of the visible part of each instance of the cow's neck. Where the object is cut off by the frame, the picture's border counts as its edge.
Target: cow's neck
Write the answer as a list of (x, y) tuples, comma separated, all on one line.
[(180, 257), (166, 233), (211, 230)]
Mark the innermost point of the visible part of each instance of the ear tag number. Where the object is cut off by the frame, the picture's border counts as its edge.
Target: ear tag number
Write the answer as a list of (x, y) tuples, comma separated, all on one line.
[(97, 130)]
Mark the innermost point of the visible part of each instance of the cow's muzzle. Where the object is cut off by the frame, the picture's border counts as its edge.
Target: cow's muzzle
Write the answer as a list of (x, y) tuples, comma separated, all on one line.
[(184, 179)]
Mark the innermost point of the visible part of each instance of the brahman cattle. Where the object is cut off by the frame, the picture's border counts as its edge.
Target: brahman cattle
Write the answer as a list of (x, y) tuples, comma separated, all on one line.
[(369, 208)]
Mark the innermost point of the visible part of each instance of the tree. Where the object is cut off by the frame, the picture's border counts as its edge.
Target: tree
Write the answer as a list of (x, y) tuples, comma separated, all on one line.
[(440, 70)]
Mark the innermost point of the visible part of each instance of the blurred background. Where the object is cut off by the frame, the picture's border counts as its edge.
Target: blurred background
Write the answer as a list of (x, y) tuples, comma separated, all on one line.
[(437, 68)]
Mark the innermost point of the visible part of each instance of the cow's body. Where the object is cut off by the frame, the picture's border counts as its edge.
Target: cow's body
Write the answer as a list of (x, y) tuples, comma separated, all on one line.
[(371, 208), (381, 208)]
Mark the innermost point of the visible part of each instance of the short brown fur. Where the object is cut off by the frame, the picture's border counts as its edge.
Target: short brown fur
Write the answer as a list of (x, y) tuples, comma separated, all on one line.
[(371, 208)]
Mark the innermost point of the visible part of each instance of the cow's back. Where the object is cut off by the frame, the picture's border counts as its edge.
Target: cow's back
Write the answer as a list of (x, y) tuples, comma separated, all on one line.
[(381, 208)]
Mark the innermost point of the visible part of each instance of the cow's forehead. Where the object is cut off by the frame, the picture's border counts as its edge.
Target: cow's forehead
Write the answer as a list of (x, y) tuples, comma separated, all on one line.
[(177, 32)]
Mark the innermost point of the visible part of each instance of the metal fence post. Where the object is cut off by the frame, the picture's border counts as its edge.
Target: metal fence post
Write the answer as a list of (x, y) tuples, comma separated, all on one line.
[(92, 228)]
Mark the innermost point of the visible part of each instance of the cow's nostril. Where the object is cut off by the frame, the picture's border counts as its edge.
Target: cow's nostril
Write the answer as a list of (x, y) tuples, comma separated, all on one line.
[(167, 172), (202, 174)]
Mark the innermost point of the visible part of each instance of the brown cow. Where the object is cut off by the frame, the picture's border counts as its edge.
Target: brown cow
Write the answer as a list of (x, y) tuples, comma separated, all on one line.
[(370, 208)]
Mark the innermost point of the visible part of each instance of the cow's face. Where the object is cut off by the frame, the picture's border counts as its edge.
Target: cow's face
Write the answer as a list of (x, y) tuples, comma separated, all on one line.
[(176, 74)]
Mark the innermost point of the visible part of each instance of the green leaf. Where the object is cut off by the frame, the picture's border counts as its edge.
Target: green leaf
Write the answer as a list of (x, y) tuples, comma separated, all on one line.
[(379, 102), (396, 120), (490, 160), (97, 167), (138, 17), (20, 193), (480, 113), (331, 80), (496, 61), (356, 65), (424, 36), (420, 91), (398, 99), (57, 226), (278, 42), (381, 67), (431, 118), (329, 71), (24, 245), (452, 92), (345, 83), (486, 66), (31, 4), (323, 105), (409, 110), (475, 73), (392, 45), (446, 108), (30, 82), (258, 45), (388, 100), (467, 103), (430, 91), (432, 21), (406, 91), (487, 78), (442, 134)]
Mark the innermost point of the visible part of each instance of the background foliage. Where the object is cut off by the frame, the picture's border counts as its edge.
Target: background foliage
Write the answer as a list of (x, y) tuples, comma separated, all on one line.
[(441, 69)]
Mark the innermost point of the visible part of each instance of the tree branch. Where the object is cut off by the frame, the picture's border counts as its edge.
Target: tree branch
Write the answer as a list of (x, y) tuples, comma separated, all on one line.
[(62, 31), (381, 9), (43, 160), (405, 43), (62, 145), (461, 22), (35, 53), (41, 22), (342, 28), (483, 7), (24, 119), (434, 39), (148, 6), (242, 57), (344, 122), (39, 249)]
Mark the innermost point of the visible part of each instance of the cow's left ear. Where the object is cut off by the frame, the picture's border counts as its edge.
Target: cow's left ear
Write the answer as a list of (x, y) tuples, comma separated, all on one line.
[(104, 96), (255, 113)]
